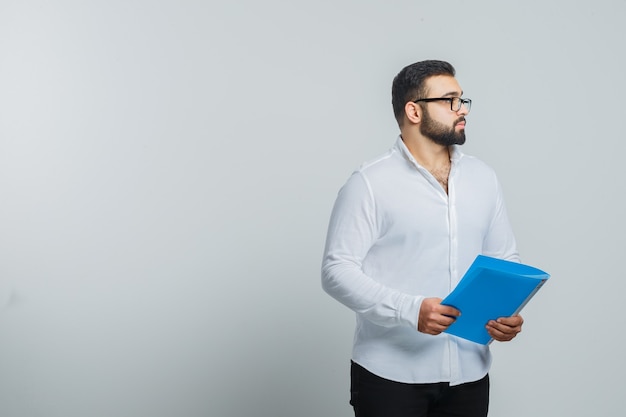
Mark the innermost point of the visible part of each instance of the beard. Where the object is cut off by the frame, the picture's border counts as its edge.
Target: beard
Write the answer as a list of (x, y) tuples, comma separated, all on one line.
[(440, 133)]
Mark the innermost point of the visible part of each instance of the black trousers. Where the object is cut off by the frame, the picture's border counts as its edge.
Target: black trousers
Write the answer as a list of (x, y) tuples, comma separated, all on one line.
[(373, 396)]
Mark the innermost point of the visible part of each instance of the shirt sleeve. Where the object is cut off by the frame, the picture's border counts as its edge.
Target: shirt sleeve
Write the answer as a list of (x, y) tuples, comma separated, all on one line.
[(354, 227), (499, 241)]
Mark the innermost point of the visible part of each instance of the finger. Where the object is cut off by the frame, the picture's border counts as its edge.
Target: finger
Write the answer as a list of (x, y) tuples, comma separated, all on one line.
[(499, 335), (438, 328), (505, 331), (502, 332), (443, 322), (513, 321), (506, 326), (438, 325), (449, 311)]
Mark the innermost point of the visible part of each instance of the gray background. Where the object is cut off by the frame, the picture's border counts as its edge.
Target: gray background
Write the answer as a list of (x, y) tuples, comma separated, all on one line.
[(167, 169)]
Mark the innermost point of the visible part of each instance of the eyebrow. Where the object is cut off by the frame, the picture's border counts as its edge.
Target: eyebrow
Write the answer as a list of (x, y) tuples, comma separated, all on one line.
[(453, 94)]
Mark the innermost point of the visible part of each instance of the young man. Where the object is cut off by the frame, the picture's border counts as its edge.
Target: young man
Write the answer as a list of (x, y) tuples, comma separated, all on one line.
[(404, 229)]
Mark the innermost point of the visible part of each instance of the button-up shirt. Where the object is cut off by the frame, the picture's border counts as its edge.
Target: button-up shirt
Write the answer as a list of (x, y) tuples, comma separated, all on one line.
[(396, 237)]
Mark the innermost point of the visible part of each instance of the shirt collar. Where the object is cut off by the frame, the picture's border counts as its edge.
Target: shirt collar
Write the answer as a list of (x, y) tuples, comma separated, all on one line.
[(455, 152)]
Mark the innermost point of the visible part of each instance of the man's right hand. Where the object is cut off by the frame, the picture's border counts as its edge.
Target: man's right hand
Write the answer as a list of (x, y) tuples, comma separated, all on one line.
[(434, 318)]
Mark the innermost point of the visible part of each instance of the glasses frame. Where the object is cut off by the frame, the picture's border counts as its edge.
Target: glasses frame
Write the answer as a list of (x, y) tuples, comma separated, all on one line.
[(462, 102)]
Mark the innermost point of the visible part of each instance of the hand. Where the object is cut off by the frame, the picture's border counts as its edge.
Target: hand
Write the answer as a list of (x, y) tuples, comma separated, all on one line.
[(505, 329), (434, 318)]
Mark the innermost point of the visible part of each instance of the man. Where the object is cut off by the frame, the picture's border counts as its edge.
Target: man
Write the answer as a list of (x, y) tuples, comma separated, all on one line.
[(404, 229)]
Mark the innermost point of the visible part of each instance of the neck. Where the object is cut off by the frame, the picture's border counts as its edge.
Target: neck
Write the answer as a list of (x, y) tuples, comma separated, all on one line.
[(428, 154)]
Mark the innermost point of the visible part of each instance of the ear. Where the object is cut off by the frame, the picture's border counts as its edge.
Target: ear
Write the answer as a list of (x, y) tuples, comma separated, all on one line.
[(413, 112)]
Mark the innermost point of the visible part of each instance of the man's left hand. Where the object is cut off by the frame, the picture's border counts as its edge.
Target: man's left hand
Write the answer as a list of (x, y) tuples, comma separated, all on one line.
[(505, 329)]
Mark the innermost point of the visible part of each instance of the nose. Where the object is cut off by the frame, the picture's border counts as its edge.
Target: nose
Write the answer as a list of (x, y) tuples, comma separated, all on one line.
[(464, 110)]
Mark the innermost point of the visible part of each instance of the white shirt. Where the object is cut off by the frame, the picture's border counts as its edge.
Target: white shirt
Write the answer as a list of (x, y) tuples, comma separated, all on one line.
[(396, 237)]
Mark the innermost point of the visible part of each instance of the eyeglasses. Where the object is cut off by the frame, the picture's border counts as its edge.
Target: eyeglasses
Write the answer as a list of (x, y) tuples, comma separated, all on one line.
[(455, 102)]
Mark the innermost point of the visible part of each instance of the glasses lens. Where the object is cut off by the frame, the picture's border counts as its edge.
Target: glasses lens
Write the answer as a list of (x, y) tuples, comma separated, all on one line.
[(468, 104), (456, 103)]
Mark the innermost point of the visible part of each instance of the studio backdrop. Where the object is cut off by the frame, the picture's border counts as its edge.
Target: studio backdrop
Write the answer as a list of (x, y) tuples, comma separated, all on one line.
[(168, 168)]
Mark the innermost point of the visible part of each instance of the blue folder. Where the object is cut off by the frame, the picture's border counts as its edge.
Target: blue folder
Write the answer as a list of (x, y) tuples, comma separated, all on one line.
[(491, 288)]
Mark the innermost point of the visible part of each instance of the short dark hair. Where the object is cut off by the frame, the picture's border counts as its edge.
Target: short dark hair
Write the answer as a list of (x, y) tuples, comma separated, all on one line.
[(410, 83)]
